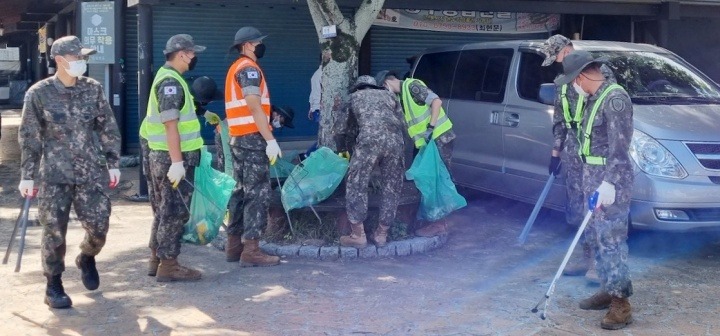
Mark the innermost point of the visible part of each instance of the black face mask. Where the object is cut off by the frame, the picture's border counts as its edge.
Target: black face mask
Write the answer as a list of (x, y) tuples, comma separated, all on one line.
[(259, 51), (193, 62)]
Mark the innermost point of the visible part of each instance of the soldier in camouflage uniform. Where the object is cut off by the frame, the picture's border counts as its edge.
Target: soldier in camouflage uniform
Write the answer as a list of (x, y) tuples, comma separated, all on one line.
[(170, 135), (566, 118), (378, 115), (437, 127), (254, 149), (606, 132), (70, 142)]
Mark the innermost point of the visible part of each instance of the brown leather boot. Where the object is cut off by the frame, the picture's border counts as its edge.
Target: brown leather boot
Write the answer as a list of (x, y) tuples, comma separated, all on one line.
[(619, 315), (356, 238), (380, 235), (580, 264), (233, 248), (170, 270), (599, 301), (253, 256), (153, 263), (433, 229)]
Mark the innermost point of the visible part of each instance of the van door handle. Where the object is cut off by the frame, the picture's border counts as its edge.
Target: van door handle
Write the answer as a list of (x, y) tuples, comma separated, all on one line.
[(512, 119)]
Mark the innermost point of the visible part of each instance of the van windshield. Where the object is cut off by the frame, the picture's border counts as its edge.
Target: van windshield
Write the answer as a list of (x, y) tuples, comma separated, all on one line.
[(656, 78)]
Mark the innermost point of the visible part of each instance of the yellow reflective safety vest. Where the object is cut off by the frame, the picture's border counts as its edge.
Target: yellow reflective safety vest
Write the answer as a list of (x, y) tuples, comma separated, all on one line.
[(418, 116), (571, 121), (585, 141), (153, 129)]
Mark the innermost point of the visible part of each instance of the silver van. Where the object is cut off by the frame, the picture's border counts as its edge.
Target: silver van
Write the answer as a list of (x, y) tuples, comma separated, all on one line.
[(492, 92)]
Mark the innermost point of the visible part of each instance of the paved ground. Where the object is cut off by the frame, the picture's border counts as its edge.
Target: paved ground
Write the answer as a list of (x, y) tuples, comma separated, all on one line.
[(480, 283)]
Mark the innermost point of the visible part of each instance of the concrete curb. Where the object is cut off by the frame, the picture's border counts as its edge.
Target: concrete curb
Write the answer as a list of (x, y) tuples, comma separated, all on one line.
[(415, 245), (400, 248)]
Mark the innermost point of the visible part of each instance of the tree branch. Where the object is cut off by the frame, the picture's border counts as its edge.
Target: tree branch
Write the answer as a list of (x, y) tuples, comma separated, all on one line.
[(365, 16), (318, 17)]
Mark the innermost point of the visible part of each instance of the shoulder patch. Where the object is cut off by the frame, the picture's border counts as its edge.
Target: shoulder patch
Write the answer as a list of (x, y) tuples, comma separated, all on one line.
[(252, 75), (617, 104), (170, 90), (415, 89)]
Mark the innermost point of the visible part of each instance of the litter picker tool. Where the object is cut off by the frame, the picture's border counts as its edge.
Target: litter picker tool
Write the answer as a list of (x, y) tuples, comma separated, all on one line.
[(22, 224), (592, 201), (536, 210)]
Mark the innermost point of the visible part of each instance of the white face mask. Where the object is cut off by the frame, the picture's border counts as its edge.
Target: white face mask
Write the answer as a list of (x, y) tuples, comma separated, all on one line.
[(276, 124), (579, 90), (76, 68)]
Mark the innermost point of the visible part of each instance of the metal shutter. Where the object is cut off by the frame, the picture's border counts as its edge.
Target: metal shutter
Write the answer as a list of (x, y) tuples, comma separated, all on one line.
[(293, 51)]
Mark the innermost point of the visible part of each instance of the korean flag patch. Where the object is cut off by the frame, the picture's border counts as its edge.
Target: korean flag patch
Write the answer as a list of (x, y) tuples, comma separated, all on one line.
[(170, 90), (252, 75)]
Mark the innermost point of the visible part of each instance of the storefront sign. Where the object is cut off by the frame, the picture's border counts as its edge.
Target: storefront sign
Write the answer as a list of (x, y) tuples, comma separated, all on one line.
[(98, 30), (468, 21)]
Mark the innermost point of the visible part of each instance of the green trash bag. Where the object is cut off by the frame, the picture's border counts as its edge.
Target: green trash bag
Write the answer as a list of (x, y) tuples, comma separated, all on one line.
[(209, 202), (281, 169), (313, 180), (439, 196)]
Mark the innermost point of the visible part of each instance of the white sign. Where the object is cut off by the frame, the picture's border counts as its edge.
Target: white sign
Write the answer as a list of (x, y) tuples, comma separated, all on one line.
[(329, 31), (10, 54)]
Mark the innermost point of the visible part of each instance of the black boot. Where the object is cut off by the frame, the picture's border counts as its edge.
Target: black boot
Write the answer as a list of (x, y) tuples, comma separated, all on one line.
[(55, 296), (90, 277)]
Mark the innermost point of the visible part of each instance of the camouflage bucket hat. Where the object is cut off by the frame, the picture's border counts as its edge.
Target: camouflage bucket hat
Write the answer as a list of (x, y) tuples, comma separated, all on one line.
[(69, 45), (181, 42), (363, 81), (551, 48)]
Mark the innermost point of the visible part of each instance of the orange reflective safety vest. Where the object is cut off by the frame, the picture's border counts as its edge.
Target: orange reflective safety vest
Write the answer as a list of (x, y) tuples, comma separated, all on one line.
[(239, 116)]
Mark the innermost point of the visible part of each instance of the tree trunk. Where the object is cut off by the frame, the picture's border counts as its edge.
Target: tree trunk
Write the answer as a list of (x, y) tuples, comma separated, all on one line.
[(340, 71)]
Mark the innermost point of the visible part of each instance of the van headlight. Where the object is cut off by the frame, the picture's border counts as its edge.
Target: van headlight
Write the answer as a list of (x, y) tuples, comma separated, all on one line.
[(653, 158)]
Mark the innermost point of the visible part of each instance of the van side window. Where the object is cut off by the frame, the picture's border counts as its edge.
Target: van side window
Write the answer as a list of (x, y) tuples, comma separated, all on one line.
[(482, 75), (532, 74), (436, 70)]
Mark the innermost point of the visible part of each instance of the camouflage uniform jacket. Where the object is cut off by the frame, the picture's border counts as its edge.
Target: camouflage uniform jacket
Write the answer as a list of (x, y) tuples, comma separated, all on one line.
[(611, 135), (67, 133), (560, 131), (378, 115)]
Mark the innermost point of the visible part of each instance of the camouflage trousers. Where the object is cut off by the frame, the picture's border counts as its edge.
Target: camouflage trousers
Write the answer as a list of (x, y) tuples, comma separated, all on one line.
[(607, 230), (392, 164), (577, 205), (92, 207), (250, 199), (145, 152), (445, 145), (572, 166), (170, 205)]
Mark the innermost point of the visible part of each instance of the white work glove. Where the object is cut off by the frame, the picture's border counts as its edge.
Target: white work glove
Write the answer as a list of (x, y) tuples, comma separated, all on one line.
[(26, 188), (273, 151), (212, 117), (606, 194), (176, 173), (114, 177)]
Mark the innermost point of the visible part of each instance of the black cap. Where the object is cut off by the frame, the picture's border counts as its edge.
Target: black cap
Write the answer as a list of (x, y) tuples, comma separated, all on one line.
[(574, 63), (205, 90), (286, 112)]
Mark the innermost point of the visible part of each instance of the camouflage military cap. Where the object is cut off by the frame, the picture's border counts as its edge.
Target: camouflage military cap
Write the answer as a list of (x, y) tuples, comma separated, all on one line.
[(365, 80), (181, 42), (551, 48), (69, 45)]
